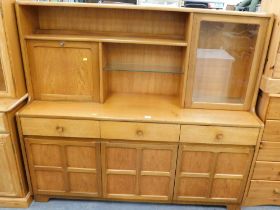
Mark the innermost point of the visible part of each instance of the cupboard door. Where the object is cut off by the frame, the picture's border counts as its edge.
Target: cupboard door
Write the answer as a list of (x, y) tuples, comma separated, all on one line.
[(60, 167), (138, 171), (64, 70), (9, 178), (225, 59), (211, 173)]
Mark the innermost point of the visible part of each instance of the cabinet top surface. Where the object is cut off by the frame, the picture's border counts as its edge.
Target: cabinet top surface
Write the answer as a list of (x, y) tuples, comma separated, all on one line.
[(140, 7), (130, 107), (7, 104)]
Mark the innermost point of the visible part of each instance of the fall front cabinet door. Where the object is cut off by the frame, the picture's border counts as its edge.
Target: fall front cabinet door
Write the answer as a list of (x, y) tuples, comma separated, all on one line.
[(138, 171), (212, 173), (9, 178), (64, 167)]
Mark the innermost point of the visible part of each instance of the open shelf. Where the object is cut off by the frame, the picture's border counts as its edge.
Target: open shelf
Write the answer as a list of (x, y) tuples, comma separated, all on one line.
[(144, 68), (108, 39)]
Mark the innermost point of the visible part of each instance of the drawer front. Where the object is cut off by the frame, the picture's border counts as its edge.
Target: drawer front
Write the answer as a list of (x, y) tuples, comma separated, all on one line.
[(2, 123), (273, 112), (140, 131), (264, 192), (272, 131), (269, 151), (267, 171), (219, 135), (60, 127)]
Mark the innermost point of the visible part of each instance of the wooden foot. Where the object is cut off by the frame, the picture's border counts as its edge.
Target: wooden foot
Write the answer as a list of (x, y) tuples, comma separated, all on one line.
[(41, 198), (233, 207)]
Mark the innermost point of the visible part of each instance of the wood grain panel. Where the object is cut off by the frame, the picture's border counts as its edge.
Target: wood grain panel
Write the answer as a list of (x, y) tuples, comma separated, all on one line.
[(139, 131), (269, 151), (269, 171), (219, 135), (64, 167), (273, 112), (64, 70), (272, 131), (60, 127)]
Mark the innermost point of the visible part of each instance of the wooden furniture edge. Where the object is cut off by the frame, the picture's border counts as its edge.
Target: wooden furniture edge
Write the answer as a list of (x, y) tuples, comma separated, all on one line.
[(16, 202), (270, 85)]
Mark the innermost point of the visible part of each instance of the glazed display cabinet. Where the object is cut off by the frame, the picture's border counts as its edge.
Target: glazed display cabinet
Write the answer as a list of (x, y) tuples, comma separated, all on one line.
[(140, 103), (14, 191)]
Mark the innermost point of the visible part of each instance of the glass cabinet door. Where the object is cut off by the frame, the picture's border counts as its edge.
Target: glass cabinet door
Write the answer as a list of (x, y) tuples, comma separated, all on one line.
[(224, 62)]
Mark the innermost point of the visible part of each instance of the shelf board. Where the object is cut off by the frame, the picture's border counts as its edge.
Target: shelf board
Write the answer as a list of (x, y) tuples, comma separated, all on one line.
[(108, 39), (143, 68), (140, 108)]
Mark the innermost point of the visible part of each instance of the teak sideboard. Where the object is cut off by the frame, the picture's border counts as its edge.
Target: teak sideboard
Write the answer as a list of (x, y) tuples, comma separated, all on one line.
[(140, 103), (14, 191)]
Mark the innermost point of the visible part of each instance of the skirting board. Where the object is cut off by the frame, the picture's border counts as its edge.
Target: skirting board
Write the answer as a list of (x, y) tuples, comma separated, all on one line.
[(16, 202)]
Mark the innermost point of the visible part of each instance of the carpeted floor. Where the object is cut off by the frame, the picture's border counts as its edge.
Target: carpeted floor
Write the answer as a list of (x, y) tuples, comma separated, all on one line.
[(98, 205)]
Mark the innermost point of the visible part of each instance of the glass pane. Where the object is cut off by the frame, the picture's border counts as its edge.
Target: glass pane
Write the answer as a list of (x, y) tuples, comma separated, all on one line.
[(224, 58), (2, 80)]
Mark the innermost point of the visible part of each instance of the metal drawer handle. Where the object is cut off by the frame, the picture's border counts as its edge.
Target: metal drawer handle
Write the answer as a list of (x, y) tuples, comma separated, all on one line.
[(276, 191), (59, 129), (219, 136), (139, 132)]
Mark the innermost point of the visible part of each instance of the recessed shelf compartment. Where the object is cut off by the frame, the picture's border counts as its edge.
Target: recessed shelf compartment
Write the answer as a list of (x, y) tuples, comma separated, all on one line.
[(143, 69)]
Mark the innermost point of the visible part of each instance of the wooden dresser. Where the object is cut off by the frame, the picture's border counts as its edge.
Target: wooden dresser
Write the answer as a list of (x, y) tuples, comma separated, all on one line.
[(265, 181), (140, 103), (14, 191)]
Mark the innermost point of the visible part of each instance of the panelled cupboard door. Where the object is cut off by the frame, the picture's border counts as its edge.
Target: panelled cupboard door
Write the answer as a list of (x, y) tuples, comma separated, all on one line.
[(64, 70), (64, 167), (211, 173), (138, 171), (9, 178), (224, 61)]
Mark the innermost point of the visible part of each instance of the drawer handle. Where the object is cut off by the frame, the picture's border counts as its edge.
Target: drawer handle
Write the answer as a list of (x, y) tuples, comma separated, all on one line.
[(276, 191), (139, 133), (59, 129), (219, 136)]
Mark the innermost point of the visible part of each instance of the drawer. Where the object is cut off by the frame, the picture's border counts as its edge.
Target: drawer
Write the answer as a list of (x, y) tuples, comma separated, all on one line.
[(264, 192), (269, 151), (2, 123), (140, 131), (272, 131), (60, 127), (267, 171), (219, 135), (273, 112)]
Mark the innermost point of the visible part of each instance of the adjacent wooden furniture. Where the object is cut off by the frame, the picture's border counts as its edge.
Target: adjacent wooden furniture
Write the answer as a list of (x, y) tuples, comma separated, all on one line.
[(140, 103), (264, 184), (14, 191)]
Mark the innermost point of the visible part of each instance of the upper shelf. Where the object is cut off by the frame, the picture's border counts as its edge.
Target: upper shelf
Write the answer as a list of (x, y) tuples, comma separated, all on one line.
[(109, 39), (139, 7)]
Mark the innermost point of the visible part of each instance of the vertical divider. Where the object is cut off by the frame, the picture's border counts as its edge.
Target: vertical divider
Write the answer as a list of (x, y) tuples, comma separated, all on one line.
[(102, 73), (186, 59)]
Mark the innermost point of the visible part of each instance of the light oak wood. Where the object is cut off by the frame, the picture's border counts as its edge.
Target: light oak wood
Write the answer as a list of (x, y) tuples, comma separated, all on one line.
[(140, 131), (269, 151), (212, 173), (3, 123), (269, 171), (263, 193), (270, 85), (60, 127), (139, 7), (138, 171), (61, 167), (219, 135), (208, 32), (25, 202), (272, 131), (140, 108), (9, 182), (76, 63), (273, 112)]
